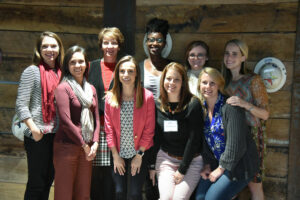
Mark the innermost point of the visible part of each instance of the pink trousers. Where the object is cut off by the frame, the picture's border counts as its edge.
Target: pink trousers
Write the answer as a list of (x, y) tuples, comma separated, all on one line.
[(166, 166), (73, 172)]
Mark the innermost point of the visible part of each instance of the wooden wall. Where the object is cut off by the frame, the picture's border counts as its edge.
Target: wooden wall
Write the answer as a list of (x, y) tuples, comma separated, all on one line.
[(268, 27)]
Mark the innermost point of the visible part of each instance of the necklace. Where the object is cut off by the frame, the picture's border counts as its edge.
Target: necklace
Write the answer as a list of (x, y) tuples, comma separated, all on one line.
[(172, 107)]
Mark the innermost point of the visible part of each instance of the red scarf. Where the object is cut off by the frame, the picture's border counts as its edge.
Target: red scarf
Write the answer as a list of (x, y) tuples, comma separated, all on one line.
[(49, 81)]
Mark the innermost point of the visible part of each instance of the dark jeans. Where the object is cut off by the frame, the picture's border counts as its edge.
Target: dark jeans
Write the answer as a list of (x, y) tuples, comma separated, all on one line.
[(223, 188), (40, 167), (128, 186), (102, 186), (151, 191)]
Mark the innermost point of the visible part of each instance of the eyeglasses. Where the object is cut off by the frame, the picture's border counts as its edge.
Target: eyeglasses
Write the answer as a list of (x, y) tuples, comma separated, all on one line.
[(158, 40), (199, 56)]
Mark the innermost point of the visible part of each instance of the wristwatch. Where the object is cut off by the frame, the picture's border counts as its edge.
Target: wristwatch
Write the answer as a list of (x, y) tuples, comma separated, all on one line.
[(139, 152)]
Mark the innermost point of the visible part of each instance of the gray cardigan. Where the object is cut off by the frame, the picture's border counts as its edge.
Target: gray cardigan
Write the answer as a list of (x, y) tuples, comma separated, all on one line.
[(29, 100), (240, 157)]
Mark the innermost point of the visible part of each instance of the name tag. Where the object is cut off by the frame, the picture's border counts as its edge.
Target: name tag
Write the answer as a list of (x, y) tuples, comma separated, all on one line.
[(170, 126)]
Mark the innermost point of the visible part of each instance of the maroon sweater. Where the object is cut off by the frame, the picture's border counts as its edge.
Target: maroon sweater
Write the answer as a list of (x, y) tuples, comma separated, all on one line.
[(69, 111)]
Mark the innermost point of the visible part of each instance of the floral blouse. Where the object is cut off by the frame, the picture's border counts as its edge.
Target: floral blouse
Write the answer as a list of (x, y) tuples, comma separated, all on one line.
[(251, 89), (214, 130)]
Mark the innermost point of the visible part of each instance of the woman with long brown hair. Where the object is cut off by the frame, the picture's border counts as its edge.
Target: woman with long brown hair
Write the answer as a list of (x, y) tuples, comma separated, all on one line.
[(129, 128)]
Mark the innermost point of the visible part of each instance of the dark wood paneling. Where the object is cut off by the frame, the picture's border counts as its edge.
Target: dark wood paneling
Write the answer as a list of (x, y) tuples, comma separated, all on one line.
[(13, 169), (12, 67), (11, 146), (58, 3), (280, 104), (56, 19), (278, 132), (280, 45), (276, 162), (294, 156), (275, 17), (21, 43), (121, 14), (15, 191), (275, 188), (8, 94), (6, 115), (206, 2)]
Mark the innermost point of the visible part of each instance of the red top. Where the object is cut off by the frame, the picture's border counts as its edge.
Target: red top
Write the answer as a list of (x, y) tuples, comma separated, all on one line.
[(107, 70), (69, 112), (143, 123)]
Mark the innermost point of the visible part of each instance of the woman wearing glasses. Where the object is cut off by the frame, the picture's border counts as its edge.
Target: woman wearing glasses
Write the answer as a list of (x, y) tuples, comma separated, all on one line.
[(157, 47), (196, 56), (156, 42)]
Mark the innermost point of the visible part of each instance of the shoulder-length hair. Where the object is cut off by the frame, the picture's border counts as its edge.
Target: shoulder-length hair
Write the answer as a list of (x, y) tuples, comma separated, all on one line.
[(116, 91), (69, 53), (193, 44), (217, 78), (37, 58), (185, 94), (244, 51), (110, 32)]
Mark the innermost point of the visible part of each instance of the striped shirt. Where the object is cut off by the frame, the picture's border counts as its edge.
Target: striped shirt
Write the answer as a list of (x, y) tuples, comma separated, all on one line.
[(29, 100)]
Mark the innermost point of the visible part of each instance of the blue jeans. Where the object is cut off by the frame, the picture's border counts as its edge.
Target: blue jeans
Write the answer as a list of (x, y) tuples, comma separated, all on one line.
[(222, 189)]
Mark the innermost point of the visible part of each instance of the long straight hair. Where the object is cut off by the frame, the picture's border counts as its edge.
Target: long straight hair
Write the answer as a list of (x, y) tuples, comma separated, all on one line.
[(116, 91), (244, 51)]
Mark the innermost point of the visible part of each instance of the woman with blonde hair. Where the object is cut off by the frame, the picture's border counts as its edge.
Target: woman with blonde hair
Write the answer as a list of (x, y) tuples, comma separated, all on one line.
[(247, 91), (229, 152), (129, 128)]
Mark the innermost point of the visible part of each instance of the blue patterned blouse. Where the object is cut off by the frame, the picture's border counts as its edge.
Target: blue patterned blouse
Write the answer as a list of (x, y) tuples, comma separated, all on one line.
[(214, 130)]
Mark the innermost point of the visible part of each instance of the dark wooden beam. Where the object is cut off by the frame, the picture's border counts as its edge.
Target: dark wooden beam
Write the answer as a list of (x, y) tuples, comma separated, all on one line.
[(294, 155), (121, 14)]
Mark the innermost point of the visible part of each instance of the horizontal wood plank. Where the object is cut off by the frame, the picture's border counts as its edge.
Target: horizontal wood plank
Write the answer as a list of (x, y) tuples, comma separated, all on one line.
[(21, 43), (275, 188), (281, 47), (276, 162), (15, 191), (207, 2), (61, 19), (6, 115), (8, 95), (58, 3), (12, 67), (278, 132), (13, 169), (11, 146), (280, 104), (222, 18)]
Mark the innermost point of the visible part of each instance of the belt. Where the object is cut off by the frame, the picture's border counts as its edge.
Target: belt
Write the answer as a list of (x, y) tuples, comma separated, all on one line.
[(180, 157)]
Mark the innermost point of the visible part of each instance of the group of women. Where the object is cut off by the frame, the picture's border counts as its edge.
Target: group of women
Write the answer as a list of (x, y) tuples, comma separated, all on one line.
[(119, 124)]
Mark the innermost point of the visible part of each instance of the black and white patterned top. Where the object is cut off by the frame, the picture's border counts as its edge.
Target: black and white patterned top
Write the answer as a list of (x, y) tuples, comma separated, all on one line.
[(127, 141), (29, 100)]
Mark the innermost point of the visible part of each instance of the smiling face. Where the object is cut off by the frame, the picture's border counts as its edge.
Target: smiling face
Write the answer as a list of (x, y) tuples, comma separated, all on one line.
[(127, 74), (233, 57), (77, 66), (173, 83), (49, 50), (197, 57), (155, 43), (110, 48), (208, 87)]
